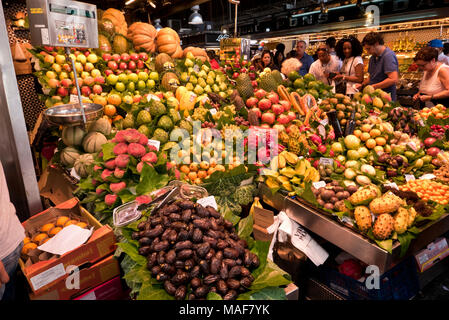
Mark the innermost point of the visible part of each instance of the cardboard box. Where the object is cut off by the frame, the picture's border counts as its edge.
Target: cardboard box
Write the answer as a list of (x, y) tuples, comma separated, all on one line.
[(262, 220), (55, 185), (110, 290), (44, 274), (435, 251), (64, 288)]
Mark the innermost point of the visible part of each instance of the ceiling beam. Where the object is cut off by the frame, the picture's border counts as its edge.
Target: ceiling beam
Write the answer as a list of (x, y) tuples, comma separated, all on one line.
[(177, 7)]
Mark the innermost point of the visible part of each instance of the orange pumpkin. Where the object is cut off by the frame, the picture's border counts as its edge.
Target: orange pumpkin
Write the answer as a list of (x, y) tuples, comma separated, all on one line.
[(143, 36), (178, 53), (198, 53), (118, 20), (168, 41)]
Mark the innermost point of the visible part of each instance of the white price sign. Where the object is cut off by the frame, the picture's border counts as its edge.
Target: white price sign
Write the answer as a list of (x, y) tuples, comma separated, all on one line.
[(409, 177), (326, 161), (154, 143), (392, 185), (319, 184)]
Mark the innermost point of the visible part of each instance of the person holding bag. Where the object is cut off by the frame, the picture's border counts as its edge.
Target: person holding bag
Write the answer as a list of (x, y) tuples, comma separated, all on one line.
[(349, 50)]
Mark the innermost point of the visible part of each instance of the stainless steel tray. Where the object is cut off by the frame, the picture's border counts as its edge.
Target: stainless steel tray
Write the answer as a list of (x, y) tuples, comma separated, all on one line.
[(347, 239), (71, 115)]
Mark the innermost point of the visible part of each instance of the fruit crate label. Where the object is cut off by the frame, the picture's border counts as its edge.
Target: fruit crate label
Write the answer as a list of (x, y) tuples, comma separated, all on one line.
[(154, 143), (213, 111), (319, 184), (74, 98), (409, 177), (208, 201), (326, 161), (392, 185), (428, 176), (49, 275)]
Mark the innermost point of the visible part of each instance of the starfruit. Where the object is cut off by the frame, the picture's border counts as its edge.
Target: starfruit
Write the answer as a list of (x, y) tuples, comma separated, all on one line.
[(270, 173), (287, 186), (283, 179), (296, 180), (301, 167), (288, 172), (271, 183), (290, 157)]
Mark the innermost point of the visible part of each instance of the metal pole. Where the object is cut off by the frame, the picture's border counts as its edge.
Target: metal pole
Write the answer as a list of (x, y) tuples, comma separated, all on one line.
[(67, 51), (235, 23)]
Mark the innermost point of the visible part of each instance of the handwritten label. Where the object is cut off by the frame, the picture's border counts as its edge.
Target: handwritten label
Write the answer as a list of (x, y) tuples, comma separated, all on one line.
[(208, 201), (409, 177), (154, 143), (213, 111), (428, 176), (49, 275), (319, 184), (392, 185), (326, 161), (74, 98)]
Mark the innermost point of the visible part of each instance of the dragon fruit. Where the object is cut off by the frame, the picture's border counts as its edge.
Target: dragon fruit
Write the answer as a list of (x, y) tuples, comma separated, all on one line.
[(316, 139), (132, 135), (150, 157), (106, 174), (110, 164), (119, 173), (117, 187), (122, 160), (120, 148), (143, 140), (136, 150), (119, 137), (351, 268)]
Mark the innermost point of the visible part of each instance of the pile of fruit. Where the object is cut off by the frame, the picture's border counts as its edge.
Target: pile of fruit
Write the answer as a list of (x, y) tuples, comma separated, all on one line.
[(307, 84), (194, 251), (438, 112), (428, 190), (374, 99)]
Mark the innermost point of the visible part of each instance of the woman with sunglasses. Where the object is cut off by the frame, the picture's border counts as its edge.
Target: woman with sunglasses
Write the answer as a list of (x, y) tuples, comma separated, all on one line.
[(434, 87)]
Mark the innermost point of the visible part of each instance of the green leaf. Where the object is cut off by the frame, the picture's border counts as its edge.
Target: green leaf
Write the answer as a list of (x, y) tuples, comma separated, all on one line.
[(271, 276), (260, 248), (132, 251), (245, 228), (307, 193), (228, 215), (405, 239), (108, 152), (150, 292), (269, 293), (437, 213), (386, 244), (213, 296), (86, 184), (100, 206), (150, 180), (126, 196)]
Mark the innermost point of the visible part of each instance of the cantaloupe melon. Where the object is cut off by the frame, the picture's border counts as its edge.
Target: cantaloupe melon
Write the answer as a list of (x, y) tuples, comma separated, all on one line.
[(93, 141)]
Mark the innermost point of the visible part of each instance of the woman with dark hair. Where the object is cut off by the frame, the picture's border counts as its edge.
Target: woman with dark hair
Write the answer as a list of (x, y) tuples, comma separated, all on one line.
[(434, 86), (349, 50), (279, 56), (267, 61)]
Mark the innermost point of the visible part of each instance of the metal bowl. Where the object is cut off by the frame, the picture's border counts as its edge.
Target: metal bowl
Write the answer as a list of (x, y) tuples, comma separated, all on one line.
[(71, 115)]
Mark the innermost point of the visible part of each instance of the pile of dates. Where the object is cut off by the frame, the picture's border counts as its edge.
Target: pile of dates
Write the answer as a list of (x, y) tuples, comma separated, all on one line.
[(192, 248)]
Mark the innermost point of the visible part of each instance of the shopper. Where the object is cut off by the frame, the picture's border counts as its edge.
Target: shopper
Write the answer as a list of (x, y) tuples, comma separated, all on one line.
[(383, 69), (349, 50), (267, 61), (438, 44), (326, 67), (330, 43), (11, 241), (279, 56), (434, 86), (213, 60), (303, 57), (291, 54)]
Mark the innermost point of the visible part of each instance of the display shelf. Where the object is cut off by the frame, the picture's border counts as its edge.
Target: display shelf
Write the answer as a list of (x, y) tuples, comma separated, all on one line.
[(347, 239)]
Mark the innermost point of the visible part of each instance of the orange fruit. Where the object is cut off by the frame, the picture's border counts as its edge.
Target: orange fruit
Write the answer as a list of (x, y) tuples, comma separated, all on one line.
[(117, 118), (192, 176), (365, 136), (375, 133), (366, 127), (39, 237), (26, 240), (204, 165), (197, 181), (43, 241), (370, 143), (357, 133), (220, 167), (110, 110), (54, 231), (61, 221), (68, 223), (114, 99), (82, 225), (184, 169), (210, 171), (47, 227), (380, 141), (193, 167), (29, 246), (202, 174)]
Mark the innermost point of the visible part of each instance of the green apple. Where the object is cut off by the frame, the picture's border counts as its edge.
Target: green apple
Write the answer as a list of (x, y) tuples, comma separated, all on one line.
[(123, 78), (141, 85), (131, 87), (143, 76), (120, 86), (89, 67), (133, 77), (188, 63), (198, 90), (112, 79), (154, 76), (189, 86), (151, 83), (51, 74)]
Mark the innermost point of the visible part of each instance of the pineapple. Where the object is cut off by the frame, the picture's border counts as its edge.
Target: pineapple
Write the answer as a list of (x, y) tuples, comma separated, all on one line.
[(294, 132), (363, 218), (294, 145), (383, 227), (284, 137)]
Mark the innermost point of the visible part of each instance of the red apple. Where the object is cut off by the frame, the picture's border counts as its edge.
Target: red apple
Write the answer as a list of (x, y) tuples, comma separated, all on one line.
[(99, 80), (74, 91), (123, 66), (244, 63), (106, 57), (322, 148), (49, 48), (259, 113), (277, 109), (86, 91), (429, 141), (264, 104), (140, 64), (273, 96), (286, 104), (132, 65), (235, 75), (108, 72), (237, 66), (268, 117), (260, 94), (254, 83), (89, 81), (86, 53), (143, 56), (243, 70), (66, 83), (283, 119), (62, 92), (252, 76), (112, 65), (116, 57), (97, 89), (251, 102), (252, 68), (433, 151), (134, 56), (125, 57)]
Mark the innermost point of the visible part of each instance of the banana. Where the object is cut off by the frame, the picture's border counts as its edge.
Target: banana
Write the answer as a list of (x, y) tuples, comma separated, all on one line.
[(256, 204)]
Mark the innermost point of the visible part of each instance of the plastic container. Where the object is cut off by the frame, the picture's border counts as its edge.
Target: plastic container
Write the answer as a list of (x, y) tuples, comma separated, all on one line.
[(188, 191), (126, 213)]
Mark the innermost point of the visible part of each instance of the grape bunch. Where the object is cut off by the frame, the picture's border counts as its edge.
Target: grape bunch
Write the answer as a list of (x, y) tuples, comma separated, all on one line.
[(240, 121)]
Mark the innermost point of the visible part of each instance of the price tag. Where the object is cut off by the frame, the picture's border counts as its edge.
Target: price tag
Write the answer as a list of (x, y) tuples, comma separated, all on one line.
[(324, 122), (392, 185), (319, 184), (208, 201), (45, 36), (154, 143), (409, 177), (326, 161), (152, 97), (428, 176), (49, 275), (347, 220), (74, 98), (196, 68), (213, 111)]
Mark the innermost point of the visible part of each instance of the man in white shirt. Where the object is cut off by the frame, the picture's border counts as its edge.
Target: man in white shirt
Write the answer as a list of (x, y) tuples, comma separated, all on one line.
[(11, 241), (438, 44), (325, 66)]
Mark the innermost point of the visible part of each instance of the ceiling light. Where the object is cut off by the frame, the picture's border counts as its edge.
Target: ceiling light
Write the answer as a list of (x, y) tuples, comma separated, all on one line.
[(151, 3), (129, 2), (195, 17)]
